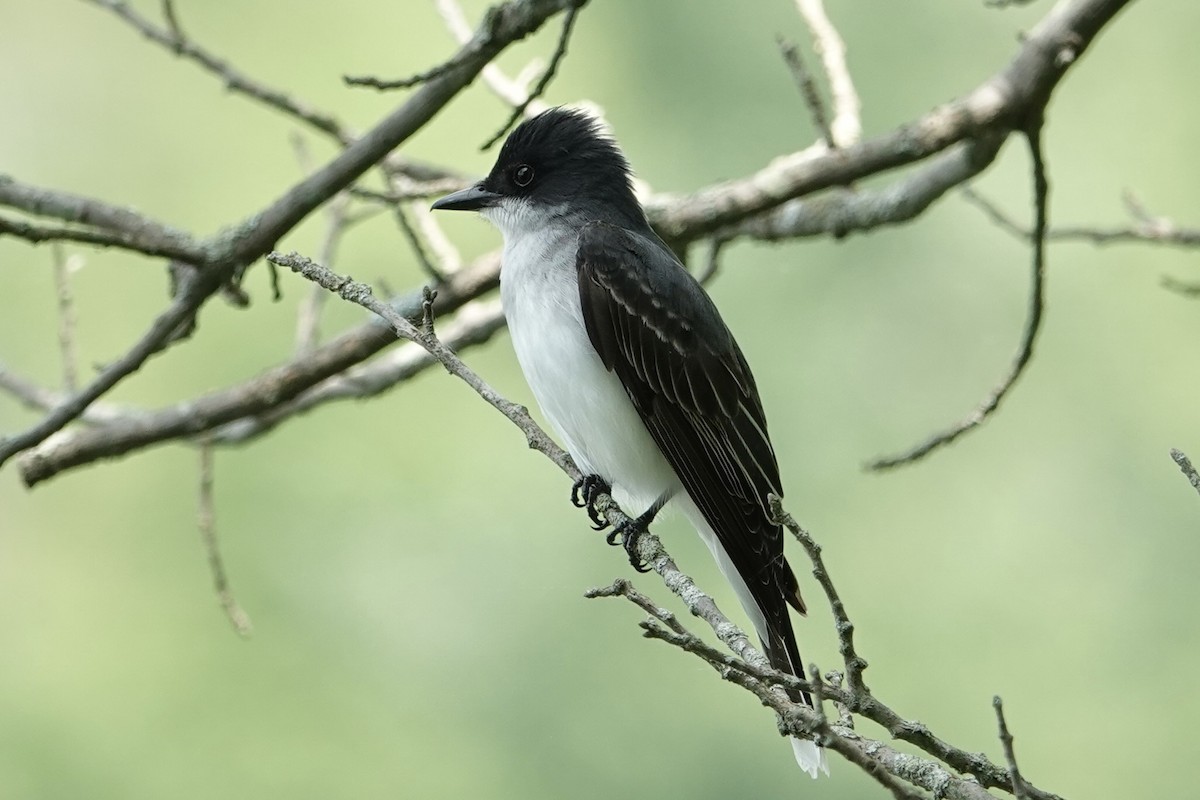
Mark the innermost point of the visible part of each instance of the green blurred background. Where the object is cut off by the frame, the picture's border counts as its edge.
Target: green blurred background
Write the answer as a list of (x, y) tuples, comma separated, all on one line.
[(415, 575)]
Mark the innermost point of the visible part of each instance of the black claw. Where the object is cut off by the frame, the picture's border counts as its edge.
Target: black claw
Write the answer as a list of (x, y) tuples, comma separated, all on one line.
[(584, 494), (627, 535)]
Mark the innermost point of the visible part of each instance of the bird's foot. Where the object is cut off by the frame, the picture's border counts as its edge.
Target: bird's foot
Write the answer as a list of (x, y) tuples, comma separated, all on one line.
[(586, 492), (627, 534)]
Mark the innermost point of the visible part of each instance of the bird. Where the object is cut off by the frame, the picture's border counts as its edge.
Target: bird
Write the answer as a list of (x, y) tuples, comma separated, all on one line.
[(633, 366)]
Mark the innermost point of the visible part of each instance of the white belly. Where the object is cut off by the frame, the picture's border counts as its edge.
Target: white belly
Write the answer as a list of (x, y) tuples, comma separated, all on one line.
[(583, 401)]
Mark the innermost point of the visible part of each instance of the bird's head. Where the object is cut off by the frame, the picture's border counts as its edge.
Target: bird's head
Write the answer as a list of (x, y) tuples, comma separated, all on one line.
[(560, 163)]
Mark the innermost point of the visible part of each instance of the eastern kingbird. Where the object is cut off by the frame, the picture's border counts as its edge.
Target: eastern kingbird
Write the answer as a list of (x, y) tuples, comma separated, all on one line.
[(633, 366)]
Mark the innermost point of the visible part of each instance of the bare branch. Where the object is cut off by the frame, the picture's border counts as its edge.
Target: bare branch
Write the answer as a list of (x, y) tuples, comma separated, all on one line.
[(39, 398), (229, 253), (713, 262), (846, 127), (66, 317), (208, 534), (412, 190), (416, 79), (264, 401), (1028, 337), (1002, 103), (1006, 741), (1146, 230), (871, 755), (512, 91), (1189, 290), (308, 315), (841, 211), (361, 294), (178, 313), (173, 26), (121, 227), (808, 89), (650, 550), (857, 697), (444, 252), (560, 51), (414, 244), (235, 81), (854, 663), (473, 325), (1185, 465)]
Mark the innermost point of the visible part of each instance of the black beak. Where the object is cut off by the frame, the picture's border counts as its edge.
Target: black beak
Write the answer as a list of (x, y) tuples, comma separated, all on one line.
[(472, 198)]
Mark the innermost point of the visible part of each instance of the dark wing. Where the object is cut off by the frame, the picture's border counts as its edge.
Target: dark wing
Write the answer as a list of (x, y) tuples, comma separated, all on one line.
[(654, 326)]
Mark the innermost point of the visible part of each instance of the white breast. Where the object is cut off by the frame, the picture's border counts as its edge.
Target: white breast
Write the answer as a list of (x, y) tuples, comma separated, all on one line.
[(582, 400)]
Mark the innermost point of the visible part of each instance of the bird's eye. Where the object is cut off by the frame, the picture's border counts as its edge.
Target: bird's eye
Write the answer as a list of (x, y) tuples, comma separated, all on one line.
[(523, 175)]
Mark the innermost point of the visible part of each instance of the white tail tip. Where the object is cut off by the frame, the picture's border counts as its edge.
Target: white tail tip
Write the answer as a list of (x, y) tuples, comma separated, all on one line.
[(810, 757)]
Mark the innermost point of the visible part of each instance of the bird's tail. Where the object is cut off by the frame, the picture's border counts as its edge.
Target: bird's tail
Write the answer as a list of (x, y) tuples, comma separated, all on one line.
[(810, 757), (784, 656), (779, 647)]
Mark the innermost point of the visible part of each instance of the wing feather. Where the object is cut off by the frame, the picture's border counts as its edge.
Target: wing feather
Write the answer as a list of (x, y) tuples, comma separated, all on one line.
[(656, 329)]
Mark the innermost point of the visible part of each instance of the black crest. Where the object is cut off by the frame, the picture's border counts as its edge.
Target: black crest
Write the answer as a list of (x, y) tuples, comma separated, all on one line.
[(564, 155)]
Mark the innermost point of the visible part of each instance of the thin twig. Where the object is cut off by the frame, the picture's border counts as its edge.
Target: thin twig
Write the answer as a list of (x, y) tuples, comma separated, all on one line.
[(857, 697), (208, 534), (82, 210), (441, 248), (173, 39), (472, 47), (846, 126), (388, 84), (1189, 290), (1006, 742), (808, 89), (413, 190), (151, 342), (1037, 301), (414, 244), (712, 264), (513, 91), (845, 715), (560, 51), (1000, 104), (66, 318), (650, 549), (308, 315), (150, 243), (796, 718), (1146, 230), (361, 294), (40, 398), (1185, 465), (428, 296), (259, 404), (176, 30), (855, 664), (232, 250)]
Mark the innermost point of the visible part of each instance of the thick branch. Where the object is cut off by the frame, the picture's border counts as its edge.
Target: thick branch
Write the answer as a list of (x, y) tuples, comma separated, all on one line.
[(120, 227), (1003, 103), (841, 211), (265, 393), (258, 234)]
